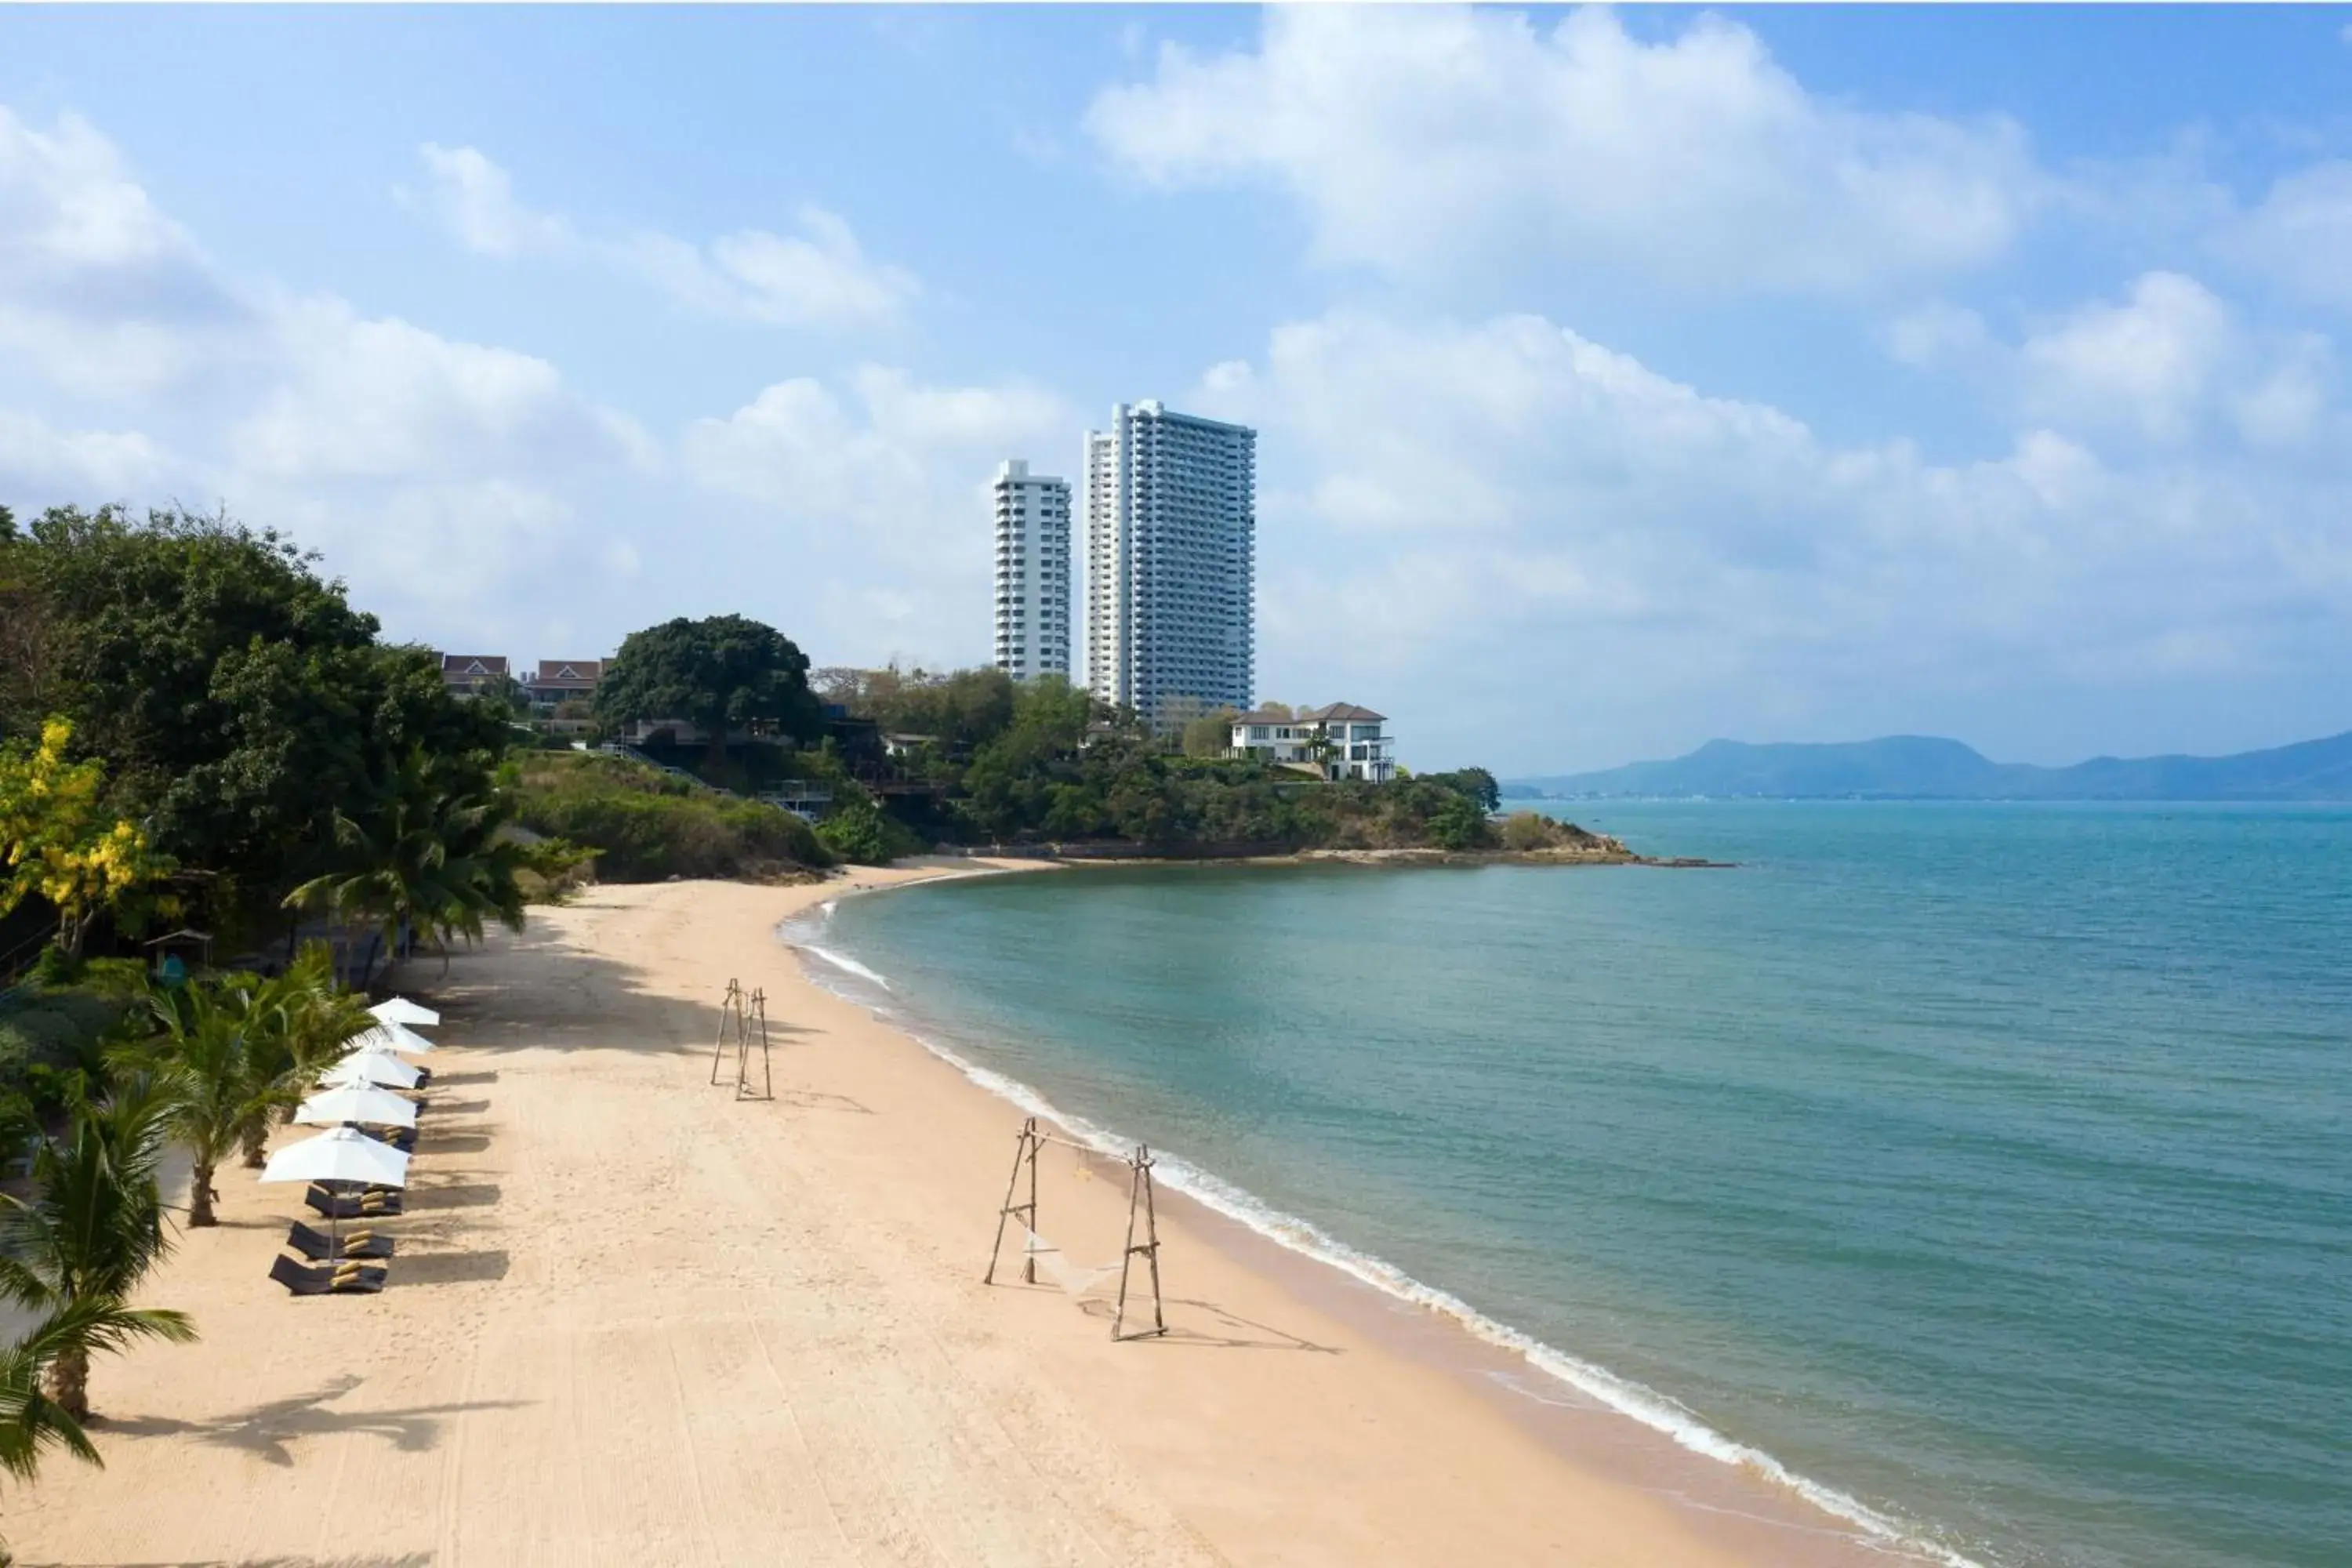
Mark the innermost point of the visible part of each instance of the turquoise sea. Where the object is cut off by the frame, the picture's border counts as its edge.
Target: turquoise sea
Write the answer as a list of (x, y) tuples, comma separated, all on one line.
[(1987, 1167)]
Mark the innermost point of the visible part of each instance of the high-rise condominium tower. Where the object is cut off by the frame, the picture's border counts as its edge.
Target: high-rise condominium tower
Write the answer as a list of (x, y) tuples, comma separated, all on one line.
[(1171, 509), (1033, 572)]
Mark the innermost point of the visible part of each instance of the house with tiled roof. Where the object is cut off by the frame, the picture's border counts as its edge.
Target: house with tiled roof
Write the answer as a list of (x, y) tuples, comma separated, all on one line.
[(561, 691), (1337, 742), (469, 674)]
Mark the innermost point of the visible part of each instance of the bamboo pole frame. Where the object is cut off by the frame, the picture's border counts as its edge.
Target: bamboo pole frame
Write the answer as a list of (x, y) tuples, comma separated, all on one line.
[(1139, 1190), (756, 1020), (1141, 1203), (730, 1026)]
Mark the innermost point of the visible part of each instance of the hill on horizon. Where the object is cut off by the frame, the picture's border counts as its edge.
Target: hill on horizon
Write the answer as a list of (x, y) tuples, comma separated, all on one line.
[(1925, 767)]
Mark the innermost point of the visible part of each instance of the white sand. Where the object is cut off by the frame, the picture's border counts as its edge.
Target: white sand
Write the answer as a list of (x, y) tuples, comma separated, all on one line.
[(632, 1321)]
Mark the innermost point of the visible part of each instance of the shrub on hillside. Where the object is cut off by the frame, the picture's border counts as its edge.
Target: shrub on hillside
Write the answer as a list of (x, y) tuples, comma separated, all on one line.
[(648, 825), (1529, 830), (863, 833)]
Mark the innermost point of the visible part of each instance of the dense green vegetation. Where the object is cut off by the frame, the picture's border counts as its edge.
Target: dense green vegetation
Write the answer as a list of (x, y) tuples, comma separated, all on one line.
[(243, 740), (861, 832), (197, 729), (1043, 762), (722, 673), (646, 826)]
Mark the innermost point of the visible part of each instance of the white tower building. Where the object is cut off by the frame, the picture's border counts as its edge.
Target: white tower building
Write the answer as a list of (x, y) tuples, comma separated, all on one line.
[(1171, 510), (1033, 572)]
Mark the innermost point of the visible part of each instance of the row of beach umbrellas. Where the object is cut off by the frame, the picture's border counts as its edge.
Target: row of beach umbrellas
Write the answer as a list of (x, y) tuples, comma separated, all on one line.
[(357, 1092)]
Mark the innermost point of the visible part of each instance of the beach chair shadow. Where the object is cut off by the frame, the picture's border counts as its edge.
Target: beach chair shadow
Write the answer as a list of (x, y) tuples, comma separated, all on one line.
[(451, 1268), (440, 1142), (457, 1195)]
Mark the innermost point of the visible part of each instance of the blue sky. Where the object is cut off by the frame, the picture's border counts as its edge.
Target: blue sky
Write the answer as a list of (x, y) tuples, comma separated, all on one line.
[(1623, 379)]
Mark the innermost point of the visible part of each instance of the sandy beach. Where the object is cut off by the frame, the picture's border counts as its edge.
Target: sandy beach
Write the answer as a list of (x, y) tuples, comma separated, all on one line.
[(633, 1320)]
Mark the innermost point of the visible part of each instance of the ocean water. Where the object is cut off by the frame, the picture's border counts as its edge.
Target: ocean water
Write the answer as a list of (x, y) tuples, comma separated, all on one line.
[(1987, 1168)]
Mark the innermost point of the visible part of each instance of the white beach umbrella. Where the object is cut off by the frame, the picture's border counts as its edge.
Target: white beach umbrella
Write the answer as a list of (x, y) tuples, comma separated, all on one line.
[(400, 1010), (346, 1154), (390, 1037), (357, 1103), (376, 1067)]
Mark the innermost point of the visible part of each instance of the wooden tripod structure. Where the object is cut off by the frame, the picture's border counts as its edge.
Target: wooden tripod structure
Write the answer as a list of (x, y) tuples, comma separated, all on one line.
[(1024, 1155), (1028, 1144), (1138, 1192), (740, 1019)]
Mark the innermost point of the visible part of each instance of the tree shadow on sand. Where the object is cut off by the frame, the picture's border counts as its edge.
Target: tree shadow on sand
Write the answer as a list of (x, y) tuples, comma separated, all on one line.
[(380, 1560), (267, 1430), (571, 1007)]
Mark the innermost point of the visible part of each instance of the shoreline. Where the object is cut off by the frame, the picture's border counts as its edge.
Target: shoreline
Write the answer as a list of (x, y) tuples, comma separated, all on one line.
[(1584, 1411), (631, 1320), (1028, 858)]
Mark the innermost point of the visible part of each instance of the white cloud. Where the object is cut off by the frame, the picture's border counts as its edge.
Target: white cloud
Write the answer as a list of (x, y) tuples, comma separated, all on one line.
[(2170, 364), (2148, 363), (68, 208), (433, 471), (882, 482), (1654, 564), (99, 290), (1437, 140), (475, 199), (106, 461), (820, 277), (1935, 334), (2301, 234), (380, 399)]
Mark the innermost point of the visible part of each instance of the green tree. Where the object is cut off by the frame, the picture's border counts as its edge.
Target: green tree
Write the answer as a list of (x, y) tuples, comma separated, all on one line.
[(221, 1088), (296, 1025), (962, 711), (237, 697), (414, 859), (1016, 780), (722, 673), (1457, 824), (33, 1421), (92, 1230), (1210, 734), (1476, 784), (861, 833)]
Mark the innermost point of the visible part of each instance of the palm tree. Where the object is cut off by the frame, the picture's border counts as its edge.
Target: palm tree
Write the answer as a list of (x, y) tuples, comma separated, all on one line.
[(220, 1090), (296, 1025), (78, 1249), (31, 1421), (415, 859)]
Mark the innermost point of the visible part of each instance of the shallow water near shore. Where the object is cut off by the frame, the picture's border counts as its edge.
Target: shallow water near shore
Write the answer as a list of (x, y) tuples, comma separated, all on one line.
[(1986, 1166)]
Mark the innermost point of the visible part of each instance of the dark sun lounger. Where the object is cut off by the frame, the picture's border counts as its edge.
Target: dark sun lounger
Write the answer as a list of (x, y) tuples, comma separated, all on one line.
[(350, 1279), (352, 1206), (319, 1248)]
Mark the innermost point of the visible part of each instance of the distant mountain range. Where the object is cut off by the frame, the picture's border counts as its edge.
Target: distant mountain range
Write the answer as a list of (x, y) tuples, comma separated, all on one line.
[(1921, 767)]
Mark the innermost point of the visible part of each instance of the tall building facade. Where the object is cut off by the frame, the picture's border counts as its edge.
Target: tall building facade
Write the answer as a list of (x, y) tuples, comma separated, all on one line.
[(1171, 523), (1033, 572)]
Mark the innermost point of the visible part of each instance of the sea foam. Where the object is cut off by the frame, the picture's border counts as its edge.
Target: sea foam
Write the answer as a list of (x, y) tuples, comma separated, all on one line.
[(1652, 1409)]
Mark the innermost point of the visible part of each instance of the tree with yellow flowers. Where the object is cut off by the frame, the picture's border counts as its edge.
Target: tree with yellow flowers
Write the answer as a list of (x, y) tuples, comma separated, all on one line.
[(59, 840)]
